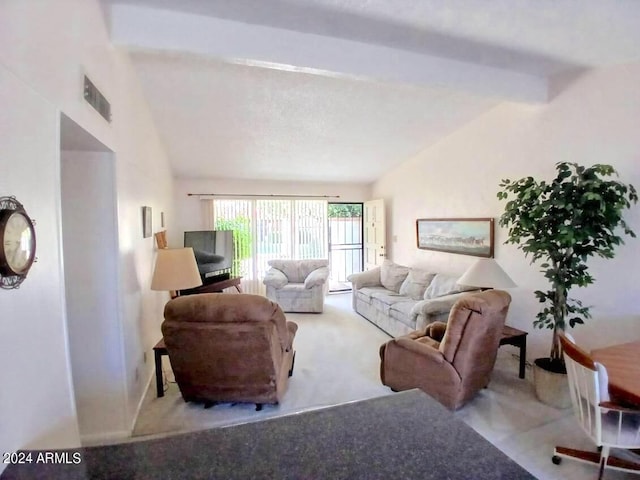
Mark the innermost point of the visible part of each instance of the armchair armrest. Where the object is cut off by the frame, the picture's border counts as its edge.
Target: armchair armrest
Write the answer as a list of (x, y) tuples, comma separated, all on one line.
[(368, 278), (275, 278), (433, 308), (436, 330), (292, 328), (316, 277), (420, 348)]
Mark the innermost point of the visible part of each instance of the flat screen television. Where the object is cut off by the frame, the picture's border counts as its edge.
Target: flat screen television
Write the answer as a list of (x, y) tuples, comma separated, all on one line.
[(213, 250)]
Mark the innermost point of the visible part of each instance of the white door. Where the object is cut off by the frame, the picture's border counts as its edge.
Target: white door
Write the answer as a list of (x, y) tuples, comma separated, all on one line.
[(374, 234)]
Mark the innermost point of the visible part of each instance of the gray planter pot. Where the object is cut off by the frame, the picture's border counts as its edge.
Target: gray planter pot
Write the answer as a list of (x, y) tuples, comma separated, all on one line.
[(551, 388)]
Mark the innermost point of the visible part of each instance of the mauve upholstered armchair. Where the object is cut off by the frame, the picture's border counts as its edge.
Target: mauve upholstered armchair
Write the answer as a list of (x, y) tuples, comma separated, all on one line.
[(298, 285), (450, 361), (227, 347)]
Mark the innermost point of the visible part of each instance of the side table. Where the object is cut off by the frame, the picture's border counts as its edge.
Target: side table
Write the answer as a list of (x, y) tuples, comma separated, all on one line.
[(215, 287), (158, 351), (517, 338)]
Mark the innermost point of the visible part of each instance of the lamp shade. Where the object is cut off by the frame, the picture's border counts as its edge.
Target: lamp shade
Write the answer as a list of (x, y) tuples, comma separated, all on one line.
[(486, 273), (176, 269)]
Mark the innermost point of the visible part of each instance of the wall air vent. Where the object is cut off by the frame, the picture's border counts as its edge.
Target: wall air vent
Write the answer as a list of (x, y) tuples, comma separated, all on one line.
[(93, 96)]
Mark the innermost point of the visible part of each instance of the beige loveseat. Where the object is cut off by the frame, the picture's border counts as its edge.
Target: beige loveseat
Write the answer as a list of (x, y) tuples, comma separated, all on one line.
[(400, 299)]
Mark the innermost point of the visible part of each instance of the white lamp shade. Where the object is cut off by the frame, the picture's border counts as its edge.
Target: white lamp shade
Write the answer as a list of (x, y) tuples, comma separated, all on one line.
[(176, 269), (486, 273)]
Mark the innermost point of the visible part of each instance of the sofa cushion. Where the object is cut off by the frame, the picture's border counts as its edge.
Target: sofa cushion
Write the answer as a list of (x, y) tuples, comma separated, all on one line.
[(388, 298), (444, 285), (416, 283), (365, 293), (294, 291), (383, 300), (392, 275), (401, 311)]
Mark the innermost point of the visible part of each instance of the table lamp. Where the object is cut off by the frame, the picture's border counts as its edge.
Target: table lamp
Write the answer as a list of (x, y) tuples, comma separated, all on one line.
[(176, 269), (486, 273)]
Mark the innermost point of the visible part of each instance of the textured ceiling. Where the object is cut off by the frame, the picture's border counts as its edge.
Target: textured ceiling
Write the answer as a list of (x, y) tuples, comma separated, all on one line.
[(239, 121), (225, 119)]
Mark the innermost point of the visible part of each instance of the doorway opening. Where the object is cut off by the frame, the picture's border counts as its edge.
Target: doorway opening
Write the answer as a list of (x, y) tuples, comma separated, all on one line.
[(90, 261), (345, 243)]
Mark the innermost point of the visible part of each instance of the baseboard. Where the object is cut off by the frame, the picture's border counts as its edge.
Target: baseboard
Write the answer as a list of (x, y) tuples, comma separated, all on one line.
[(93, 439), (152, 378)]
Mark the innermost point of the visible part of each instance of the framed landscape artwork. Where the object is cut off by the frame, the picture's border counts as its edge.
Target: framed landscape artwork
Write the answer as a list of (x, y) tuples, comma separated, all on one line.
[(467, 236)]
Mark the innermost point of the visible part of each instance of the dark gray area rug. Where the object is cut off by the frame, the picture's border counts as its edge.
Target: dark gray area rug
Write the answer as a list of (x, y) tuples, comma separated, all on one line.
[(402, 436)]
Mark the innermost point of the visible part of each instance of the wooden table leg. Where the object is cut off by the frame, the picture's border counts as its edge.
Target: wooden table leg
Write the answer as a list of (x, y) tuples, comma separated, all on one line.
[(159, 383), (517, 338), (523, 356)]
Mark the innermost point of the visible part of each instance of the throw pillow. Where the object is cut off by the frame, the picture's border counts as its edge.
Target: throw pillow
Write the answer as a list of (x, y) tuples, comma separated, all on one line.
[(416, 283), (444, 285), (392, 275)]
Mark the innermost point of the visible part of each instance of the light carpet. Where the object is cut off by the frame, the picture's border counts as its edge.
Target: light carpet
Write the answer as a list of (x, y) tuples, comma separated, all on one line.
[(337, 361)]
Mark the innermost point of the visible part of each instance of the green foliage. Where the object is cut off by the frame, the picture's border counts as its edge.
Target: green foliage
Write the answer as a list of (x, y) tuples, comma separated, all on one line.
[(344, 210), (564, 222), (242, 244)]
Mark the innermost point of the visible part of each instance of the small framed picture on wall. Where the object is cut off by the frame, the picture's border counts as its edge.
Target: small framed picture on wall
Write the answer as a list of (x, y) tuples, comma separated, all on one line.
[(146, 222)]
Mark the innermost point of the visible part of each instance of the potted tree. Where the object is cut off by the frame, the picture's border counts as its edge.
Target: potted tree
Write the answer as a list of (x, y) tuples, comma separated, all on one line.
[(562, 223)]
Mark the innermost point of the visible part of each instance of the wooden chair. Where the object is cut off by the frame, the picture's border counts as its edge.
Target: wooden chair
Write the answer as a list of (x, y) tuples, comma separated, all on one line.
[(607, 423)]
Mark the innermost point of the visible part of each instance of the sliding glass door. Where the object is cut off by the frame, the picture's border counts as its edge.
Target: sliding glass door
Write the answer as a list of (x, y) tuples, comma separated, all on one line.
[(345, 243), (268, 229)]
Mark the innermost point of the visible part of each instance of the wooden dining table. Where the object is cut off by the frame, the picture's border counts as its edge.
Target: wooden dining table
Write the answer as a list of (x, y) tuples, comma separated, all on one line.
[(623, 366)]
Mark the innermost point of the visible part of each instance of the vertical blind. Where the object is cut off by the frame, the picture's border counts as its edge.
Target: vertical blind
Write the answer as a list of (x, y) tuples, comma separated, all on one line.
[(271, 229)]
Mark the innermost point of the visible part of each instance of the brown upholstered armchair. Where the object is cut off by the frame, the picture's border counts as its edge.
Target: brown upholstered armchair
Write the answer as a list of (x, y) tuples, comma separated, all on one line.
[(451, 361), (229, 348)]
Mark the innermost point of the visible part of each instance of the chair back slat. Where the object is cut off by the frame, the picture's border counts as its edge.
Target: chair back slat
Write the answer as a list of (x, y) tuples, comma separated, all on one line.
[(584, 386)]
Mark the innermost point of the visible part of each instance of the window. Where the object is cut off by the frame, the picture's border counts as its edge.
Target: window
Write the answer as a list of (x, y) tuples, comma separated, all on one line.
[(266, 229)]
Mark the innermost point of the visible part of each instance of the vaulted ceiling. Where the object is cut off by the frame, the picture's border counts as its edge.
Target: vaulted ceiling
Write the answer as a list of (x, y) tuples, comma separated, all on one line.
[(344, 90)]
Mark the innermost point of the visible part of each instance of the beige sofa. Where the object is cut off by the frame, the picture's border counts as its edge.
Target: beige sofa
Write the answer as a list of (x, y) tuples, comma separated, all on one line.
[(400, 299)]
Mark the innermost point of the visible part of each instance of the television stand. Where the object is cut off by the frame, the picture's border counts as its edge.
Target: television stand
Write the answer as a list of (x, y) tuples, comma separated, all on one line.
[(215, 287), (216, 278)]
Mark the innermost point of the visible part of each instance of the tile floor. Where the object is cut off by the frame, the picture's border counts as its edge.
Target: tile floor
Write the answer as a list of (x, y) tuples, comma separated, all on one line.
[(509, 416)]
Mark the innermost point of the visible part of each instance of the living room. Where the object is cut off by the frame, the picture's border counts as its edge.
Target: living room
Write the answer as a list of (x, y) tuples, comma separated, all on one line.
[(590, 116)]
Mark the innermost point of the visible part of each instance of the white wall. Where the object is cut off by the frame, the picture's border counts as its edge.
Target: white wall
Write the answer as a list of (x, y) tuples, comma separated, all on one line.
[(36, 405), (45, 48), (190, 214), (594, 120), (89, 232)]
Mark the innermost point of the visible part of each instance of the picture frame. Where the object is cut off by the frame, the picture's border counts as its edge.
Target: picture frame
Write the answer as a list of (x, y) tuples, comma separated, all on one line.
[(464, 236), (146, 222)]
